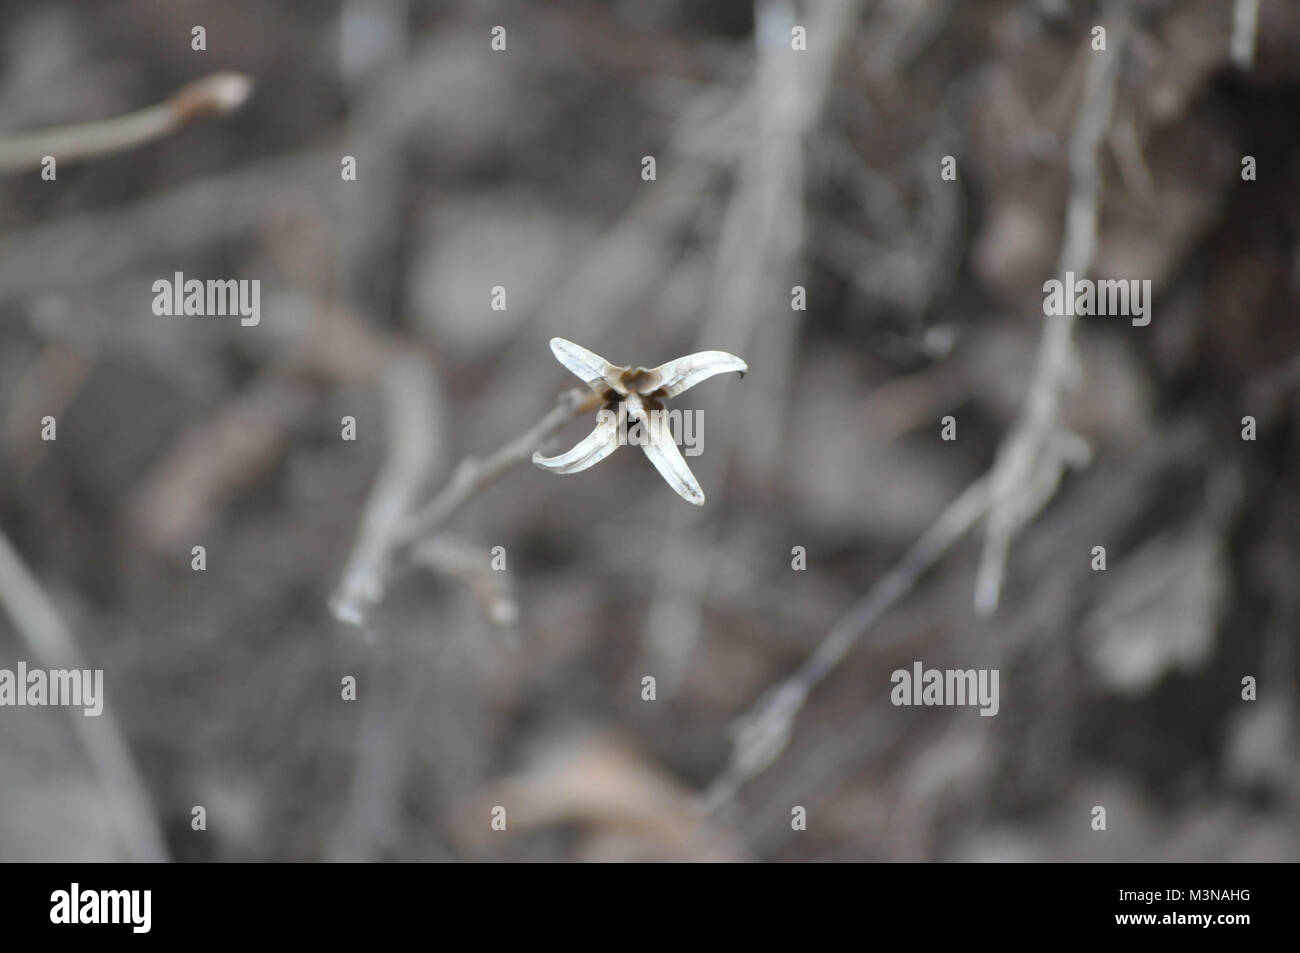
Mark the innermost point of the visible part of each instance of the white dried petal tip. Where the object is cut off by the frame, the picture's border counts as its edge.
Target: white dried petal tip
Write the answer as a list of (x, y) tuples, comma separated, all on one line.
[(663, 453), (589, 451), (680, 375), (598, 373)]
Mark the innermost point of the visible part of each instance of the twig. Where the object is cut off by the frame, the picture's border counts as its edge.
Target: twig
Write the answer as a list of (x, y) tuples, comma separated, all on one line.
[(39, 625), (181, 494), (412, 450), (903, 42), (764, 731), (215, 95), (471, 565), (392, 520), (1033, 457), (218, 206), (474, 474), (1245, 22), (50, 384), (175, 222)]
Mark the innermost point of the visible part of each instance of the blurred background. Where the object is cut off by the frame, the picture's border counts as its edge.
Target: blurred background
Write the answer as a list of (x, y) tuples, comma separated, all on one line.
[(522, 168)]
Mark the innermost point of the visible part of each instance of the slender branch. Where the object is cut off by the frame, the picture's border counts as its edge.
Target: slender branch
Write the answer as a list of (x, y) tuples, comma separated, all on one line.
[(474, 474), (412, 450), (215, 95), (763, 732), (393, 521), (40, 626), (470, 564), (1033, 456)]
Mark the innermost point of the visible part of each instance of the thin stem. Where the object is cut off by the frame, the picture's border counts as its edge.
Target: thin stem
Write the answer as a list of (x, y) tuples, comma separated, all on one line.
[(215, 95), (392, 521), (474, 474)]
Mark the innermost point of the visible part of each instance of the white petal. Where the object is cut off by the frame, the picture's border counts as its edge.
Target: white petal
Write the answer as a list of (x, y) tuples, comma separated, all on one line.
[(591, 367), (663, 452), (685, 372), (593, 448)]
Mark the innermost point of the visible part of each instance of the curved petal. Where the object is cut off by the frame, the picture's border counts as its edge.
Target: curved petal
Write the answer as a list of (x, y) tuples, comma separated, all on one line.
[(589, 451), (685, 372), (599, 373), (660, 447)]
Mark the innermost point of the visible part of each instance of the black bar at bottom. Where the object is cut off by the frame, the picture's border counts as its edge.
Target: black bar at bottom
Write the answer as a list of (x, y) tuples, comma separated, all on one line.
[(336, 904)]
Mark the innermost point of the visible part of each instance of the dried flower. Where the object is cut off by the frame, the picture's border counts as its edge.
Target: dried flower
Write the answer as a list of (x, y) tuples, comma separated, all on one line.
[(634, 395)]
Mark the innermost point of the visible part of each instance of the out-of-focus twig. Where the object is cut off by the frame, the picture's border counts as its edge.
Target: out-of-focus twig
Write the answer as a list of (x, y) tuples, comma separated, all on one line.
[(48, 386), (1245, 23), (1036, 451), (197, 214), (470, 564), (181, 494), (764, 731), (412, 416), (474, 474), (177, 221), (40, 626), (904, 41), (1034, 454), (392, 518), (215, 95)]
